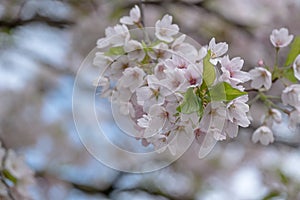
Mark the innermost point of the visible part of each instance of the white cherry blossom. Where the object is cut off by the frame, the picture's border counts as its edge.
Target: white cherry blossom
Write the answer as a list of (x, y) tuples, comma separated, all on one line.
[(102, 43), (296, 67), (101, 60), (261, 77), (294, 119), (281, 38), (154, 121), (237, 111), (264, 135), (159, 71), (135, 50), (213, 120), (274, 115), (181, 139), (16, 165), (206, 142), (184, 49), (160, 52), (174, 82), (133, 18), (151, 94), (201, 53), (119, 65), (117, 35), (217, 50), (104, 83), (132, 78), (231, 129), (177, 62), (291, 95), (165, 30), (232, 70), (193, 74)]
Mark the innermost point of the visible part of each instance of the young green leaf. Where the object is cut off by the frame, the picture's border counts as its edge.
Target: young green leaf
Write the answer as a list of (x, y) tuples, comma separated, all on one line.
[(209, 73), (9, 176), (294, 51), (224, 92), (191, 103), (115, 51), (289, 75)]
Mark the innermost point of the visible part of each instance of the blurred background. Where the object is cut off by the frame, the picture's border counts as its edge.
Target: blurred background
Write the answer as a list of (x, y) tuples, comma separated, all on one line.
[(42, 44)]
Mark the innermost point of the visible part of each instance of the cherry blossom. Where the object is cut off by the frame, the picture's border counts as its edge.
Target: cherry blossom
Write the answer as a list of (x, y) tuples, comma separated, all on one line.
[(184, 49), (237, 111), (294, 119), (160, 52), (281, 38), (17, 168), (273, 115), (160, 83), (165, 30), (232, 71), (213, 120), (133, 18), (135, 50), (132, 78), (296, 67), (264, 135), (101, 60), (291, 95), (261, 77), (116, 36), (154, 121), (217, 50), (150, 94), (119, 65)]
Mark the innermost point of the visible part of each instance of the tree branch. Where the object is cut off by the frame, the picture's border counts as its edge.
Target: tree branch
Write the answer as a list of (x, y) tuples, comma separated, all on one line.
[(59, 23), (199, 5)]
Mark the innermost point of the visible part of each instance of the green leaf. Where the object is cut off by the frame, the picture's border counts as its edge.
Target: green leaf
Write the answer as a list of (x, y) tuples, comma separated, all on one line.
[(209, 73), (191, 102), (224, 92), (115, 51), (284, 179), (289, 75), (9, 176), (294, 51), (271, 195)]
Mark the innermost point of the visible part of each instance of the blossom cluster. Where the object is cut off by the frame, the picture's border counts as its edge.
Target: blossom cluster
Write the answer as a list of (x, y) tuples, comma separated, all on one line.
[(262, 79), (171, 90), (16, 176), (174, 91)]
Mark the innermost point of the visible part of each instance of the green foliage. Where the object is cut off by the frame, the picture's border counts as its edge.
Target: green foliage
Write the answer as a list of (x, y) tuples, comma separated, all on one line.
[(115, 51), (9, 176), (191, 103), (209, 73), (271, 195), (294, 51), (288, 73), (224, 92)]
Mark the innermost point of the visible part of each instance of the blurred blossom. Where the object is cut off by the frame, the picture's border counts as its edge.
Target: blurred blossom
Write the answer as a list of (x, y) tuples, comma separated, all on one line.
[(281, 38)]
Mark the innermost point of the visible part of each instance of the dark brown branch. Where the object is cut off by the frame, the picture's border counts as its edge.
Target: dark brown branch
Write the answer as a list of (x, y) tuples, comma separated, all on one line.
[(88, 189), (199, 5), (59, 23)]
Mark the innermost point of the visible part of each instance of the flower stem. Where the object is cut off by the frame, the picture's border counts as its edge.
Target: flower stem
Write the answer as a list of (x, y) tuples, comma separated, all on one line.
[(276, 59)]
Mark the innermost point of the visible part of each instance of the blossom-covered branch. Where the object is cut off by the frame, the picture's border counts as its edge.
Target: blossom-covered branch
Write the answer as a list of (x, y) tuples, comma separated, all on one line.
[(174, 91)]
